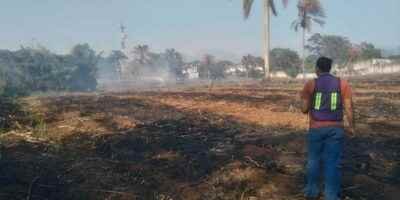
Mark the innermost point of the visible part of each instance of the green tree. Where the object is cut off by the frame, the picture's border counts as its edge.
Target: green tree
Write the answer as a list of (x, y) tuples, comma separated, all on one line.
[(248, 63), (255, 71), (252, 65), (396, 58), (369, 51), (310, 62), (333, 46), (285, 60), (218, 70), (84, 61), (175, 62), (205, 66), (38, 70), (12, 80)]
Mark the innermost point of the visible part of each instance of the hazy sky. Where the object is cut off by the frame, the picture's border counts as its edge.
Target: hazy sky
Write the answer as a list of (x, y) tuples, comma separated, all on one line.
[(191, 26)]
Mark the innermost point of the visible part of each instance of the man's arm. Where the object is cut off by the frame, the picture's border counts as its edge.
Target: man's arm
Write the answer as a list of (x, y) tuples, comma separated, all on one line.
[(305, 97), (305, 105), (348, 106)]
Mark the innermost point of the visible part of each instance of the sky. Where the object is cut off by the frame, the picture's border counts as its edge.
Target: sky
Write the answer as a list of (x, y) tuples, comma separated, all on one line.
[(194, 27)]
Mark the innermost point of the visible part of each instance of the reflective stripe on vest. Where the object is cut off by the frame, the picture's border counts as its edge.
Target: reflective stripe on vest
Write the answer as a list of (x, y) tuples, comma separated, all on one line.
[(334, 96), (318, 97)]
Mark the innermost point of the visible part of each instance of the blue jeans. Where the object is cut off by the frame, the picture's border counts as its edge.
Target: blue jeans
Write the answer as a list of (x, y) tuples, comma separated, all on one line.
[(325, 147)]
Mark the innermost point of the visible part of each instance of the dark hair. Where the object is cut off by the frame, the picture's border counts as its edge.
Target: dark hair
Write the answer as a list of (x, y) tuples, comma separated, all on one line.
[(324, 64)]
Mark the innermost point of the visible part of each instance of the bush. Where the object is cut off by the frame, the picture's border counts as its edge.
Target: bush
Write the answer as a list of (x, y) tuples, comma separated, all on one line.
[(38, 70)]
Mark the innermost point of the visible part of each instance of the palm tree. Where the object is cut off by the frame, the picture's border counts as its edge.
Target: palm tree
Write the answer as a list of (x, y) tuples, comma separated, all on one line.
[(269, 5), (309, 11)]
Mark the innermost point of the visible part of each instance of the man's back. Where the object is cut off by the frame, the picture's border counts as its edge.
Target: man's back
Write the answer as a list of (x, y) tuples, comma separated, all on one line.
[(308, 93)]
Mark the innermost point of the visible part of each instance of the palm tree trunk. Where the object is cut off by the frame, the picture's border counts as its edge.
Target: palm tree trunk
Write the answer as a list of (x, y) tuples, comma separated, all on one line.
[(304, 54), (266, 38)]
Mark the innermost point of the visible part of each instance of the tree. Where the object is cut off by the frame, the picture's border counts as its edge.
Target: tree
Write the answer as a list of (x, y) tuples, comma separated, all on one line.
[(175, 62), (285, 60), (142, 54), (144, 61), (368, 51), (207, 63), (255, 72), (309, 11), (252, 65), (218, 70), (332, 46), (269, 5), (248, 62), (226, 63), (11, 77), (84, 60), (310, 63), (396, 58), (3, 82), (38, 70), (115, 59)]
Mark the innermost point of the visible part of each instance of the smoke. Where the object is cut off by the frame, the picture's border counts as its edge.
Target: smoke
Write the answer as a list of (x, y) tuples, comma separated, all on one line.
[(131, 73), (141, 69)]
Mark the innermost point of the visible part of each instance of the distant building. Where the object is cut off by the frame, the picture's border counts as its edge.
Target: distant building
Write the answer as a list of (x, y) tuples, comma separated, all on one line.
[(381, 61), (235, 69), (258, 68), (279, 74), (369, 67), (191, 71), (307, 76)]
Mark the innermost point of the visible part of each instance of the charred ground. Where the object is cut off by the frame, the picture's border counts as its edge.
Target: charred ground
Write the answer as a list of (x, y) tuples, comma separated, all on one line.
[(234, 142)]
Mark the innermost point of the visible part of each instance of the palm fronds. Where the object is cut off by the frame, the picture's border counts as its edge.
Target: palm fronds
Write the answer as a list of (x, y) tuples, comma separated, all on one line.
[(273, 7), (247, 4), (309, 11)]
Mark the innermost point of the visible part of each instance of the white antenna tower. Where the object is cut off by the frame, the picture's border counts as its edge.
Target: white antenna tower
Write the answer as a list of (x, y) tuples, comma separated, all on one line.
[(124, 37), (123, 64)]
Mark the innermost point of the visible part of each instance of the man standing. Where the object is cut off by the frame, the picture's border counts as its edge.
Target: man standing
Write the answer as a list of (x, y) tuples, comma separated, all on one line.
[(326, 99)]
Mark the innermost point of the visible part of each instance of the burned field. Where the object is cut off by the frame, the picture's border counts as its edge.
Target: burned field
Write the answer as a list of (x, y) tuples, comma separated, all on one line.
[(233, 142)]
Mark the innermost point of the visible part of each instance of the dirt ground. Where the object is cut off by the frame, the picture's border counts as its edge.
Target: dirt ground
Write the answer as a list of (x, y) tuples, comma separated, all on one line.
[(235, 142)]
